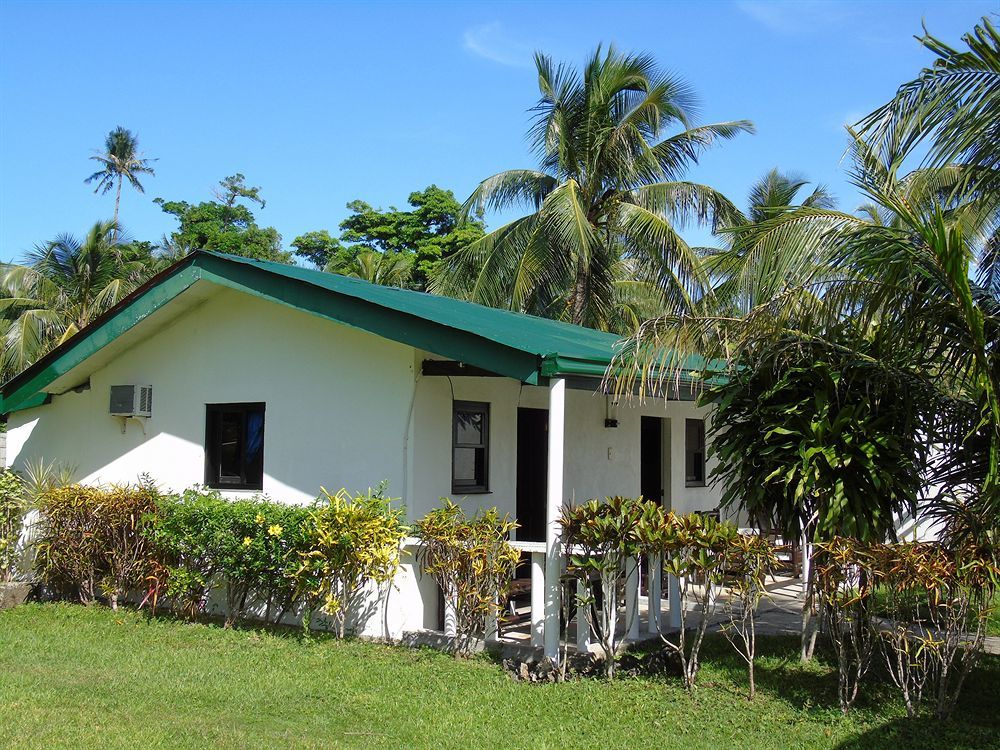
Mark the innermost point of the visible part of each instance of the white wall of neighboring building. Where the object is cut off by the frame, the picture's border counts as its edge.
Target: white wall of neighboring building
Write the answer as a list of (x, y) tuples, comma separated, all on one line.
[(344, 408)]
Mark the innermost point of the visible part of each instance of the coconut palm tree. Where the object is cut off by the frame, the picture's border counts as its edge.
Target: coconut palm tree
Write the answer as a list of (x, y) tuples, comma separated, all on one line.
[(385, 268), (62, 287), (120, 161), (602, 242), (774, 195)]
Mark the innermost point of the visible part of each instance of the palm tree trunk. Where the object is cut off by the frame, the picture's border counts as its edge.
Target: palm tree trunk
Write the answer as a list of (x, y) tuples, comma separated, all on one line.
[(118, 198), (580, 291)]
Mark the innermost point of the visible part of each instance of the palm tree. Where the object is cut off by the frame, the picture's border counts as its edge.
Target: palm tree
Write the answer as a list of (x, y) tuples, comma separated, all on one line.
[(602, 245), (63, 286), (385, 268), (773, 196), (121, 160)]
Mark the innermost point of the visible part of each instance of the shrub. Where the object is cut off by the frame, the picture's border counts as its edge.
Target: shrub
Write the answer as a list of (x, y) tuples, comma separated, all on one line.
[(844, 584), (938, 603), (472, 561), (92, 540), (606, 533), (694, 549), (13, 507), (250, 546), (352, 540), (749, 560)]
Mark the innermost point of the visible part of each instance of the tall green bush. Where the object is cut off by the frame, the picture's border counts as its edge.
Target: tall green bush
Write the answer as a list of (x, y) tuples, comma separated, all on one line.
[(353, 540)]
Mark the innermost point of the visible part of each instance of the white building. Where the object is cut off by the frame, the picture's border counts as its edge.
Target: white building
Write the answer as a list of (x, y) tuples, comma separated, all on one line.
[(277, 379)]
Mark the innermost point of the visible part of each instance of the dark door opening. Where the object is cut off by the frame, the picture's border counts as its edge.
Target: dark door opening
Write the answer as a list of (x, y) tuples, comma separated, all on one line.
[(532, 472), (651, 459)]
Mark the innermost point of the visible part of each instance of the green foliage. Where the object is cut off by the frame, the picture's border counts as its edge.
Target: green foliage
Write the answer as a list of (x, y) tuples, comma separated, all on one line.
[(606, 535), (472, 561), (250, 546), (93, 540), (62, 286), (353, 541), (600, 246), (317, 248), (694, 549), (394, 247), (13, 507), (225, 225), (811, 440)]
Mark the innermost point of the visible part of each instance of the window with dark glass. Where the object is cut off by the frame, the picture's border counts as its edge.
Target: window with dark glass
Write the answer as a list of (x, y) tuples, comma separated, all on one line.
[(234, 446), (470, 447), (694, 452)]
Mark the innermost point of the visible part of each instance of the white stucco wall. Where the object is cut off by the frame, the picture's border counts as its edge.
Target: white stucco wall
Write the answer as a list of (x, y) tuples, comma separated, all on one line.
[(344, 408), (337, 402)]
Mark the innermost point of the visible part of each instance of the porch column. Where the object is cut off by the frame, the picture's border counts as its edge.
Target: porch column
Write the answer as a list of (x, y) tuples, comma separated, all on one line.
[(582, 621), (632, 598), (655, 598), (537, 598), (674, 593), (553, 506)]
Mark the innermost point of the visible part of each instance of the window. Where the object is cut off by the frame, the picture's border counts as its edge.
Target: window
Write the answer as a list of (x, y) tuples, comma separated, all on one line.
[(694, 452), (470, 455), (234, 446)]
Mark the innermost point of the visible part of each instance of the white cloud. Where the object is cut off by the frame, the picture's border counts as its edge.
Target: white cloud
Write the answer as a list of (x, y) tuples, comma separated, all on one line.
[(491, 42), (796, 16)]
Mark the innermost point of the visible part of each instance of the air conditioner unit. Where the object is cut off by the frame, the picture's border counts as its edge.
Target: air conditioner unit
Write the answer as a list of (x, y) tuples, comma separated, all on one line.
[(131, 400)]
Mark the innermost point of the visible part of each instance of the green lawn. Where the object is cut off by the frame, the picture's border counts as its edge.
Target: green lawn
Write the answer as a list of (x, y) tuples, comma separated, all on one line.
[(88, 678)]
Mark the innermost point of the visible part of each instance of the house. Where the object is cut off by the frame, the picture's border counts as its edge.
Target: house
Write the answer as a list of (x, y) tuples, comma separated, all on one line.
[(262, 377)]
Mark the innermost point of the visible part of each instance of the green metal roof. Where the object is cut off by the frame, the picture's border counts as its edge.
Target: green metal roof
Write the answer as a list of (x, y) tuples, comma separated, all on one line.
[(512, 344), (541, 337)]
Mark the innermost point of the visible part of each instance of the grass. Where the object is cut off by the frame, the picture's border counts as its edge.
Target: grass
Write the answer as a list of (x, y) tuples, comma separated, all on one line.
[(75, 677)]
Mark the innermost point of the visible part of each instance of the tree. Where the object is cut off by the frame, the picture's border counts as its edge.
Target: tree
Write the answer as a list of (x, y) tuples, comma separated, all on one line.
[(61, 288), (387, 269), (602, 246), (434, 229), (225, 225), (317, 248), (909, 275), (121, 160)]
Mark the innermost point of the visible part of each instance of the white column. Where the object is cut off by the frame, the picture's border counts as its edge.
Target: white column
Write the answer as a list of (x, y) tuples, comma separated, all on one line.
[(553, 506), (674, 592), (582, 621), (632, 597), (492, 629), (655, 597), (450, 615), (537, 598)]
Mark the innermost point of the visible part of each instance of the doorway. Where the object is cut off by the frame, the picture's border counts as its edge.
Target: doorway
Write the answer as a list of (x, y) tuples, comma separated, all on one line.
[(651, 473), (532, 472)]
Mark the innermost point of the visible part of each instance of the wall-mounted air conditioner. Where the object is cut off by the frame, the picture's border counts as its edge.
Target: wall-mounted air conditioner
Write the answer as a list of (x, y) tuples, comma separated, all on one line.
[(131, 400)]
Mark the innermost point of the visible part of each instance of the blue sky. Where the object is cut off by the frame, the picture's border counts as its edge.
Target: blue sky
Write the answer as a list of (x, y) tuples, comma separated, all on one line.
[(320, 103)]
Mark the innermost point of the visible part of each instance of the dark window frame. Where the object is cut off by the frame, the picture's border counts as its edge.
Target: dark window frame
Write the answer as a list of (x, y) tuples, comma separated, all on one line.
[(482, 408), (689, 450), (212, 457)]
